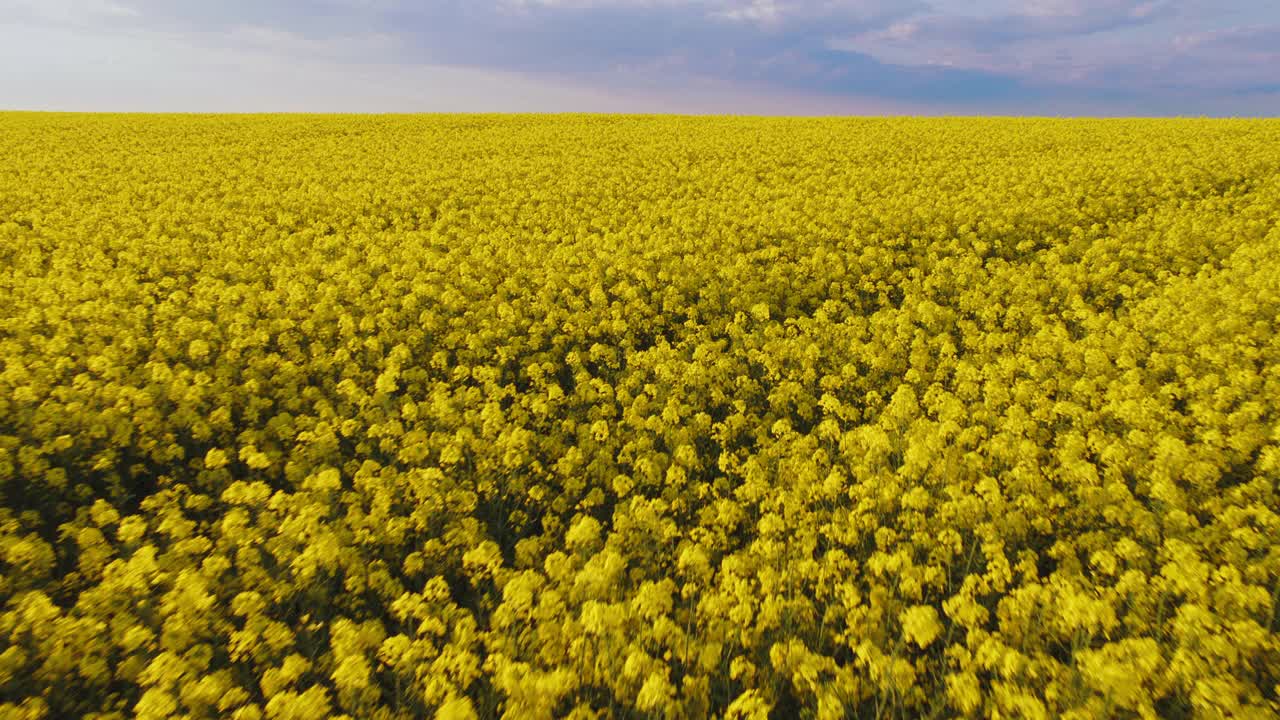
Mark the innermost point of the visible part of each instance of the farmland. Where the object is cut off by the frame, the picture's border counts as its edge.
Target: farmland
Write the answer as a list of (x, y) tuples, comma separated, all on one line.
[(629, 416)]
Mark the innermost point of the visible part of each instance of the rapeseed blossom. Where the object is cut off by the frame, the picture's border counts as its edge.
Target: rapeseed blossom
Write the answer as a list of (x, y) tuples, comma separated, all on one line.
[(522, 417)]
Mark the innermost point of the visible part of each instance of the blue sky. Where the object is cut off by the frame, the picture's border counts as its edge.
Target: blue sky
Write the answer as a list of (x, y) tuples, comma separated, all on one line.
[(1042, 57)]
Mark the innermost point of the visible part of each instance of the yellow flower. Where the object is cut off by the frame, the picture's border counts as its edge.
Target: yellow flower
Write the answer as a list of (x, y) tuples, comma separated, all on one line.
[(920, 625), (750, 705), (456, 708), (584, 533), (655, 694), (215, 458)]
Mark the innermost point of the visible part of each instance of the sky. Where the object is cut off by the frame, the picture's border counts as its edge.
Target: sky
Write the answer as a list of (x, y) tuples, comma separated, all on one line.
[(770, 57)]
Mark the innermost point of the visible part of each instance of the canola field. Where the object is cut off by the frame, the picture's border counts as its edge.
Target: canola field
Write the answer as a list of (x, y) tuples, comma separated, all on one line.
[(638, 417)]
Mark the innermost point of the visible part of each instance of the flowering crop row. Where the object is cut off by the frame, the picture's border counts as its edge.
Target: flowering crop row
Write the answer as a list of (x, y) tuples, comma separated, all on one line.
[(577, 416)]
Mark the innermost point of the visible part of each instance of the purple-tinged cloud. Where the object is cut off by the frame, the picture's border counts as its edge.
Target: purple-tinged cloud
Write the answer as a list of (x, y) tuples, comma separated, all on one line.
[(973, 56)]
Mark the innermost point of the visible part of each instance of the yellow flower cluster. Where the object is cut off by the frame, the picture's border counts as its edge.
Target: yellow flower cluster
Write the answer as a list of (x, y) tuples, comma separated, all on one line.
[(589, 416)]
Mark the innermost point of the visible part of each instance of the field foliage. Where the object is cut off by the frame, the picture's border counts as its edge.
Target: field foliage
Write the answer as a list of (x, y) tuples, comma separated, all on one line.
[(593, 416)]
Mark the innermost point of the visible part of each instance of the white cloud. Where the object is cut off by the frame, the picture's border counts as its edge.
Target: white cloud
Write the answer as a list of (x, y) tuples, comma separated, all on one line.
[(69, 12), (68, 69), (1102, 45), (253, 69), (758, 11), (667, 53)]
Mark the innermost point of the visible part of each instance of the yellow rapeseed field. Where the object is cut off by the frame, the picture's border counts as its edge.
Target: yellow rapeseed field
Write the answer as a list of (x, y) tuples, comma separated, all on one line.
[(594, 416)]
